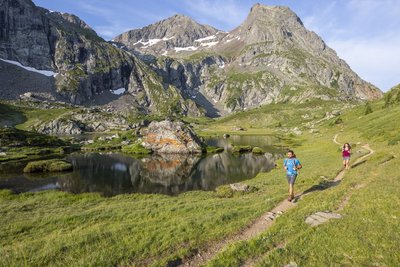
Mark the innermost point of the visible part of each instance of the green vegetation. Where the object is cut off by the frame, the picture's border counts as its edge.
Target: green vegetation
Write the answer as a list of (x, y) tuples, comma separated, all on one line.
[(56, 228), (273, 118), (367, 235), (392, 97), (368, 108), (100, 145), (136, 148), (24, 115), (11, 137), (52, 165), (18, 144)]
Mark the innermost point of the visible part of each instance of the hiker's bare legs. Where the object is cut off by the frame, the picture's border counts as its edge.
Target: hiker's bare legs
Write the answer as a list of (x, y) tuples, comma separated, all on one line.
[(291, 191), (346, 164)]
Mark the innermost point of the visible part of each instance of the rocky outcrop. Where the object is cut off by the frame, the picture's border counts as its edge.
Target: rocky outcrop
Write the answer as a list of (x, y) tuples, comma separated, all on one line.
[(171, 137), (80, 122)]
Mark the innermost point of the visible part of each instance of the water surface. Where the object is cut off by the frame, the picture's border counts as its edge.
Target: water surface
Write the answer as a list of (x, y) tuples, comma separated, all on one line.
[(113, 173)]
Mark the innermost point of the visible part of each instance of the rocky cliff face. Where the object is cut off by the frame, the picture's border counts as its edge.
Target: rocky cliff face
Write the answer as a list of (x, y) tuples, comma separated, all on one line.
[(88, 68), (175, 66), (271, 57)]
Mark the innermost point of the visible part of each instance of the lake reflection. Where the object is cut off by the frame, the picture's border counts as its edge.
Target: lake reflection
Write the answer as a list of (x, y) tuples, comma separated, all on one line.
[(115, 173)]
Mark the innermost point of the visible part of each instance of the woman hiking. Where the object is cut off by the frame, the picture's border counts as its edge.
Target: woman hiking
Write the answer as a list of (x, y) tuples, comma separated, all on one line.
[(346, 153), (291, 165)]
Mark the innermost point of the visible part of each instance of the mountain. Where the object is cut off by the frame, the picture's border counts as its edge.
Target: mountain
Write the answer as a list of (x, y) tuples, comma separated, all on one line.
[(87, 70), (271, 57), (175, 66), (178, 32)]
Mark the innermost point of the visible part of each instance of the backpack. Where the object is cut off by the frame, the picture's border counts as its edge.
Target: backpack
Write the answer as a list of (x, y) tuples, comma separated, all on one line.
[(298, 167)]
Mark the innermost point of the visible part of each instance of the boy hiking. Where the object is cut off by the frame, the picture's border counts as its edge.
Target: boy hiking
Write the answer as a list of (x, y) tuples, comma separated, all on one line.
[(291, 165)]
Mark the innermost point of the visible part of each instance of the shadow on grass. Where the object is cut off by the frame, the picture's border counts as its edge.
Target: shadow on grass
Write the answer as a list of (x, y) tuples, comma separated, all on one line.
[(319, 187), (325, 184), (11, 116)]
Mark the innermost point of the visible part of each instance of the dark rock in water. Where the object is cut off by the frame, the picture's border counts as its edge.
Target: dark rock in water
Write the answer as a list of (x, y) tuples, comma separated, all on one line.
[(171, 137), (241, 149)]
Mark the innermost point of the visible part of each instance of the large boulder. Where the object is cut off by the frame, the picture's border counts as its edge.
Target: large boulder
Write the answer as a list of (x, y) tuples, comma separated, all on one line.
[(171, 137)]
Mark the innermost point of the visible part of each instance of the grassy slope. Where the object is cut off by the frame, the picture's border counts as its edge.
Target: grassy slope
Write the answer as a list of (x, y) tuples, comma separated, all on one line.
[(55, 228), (369, 233), (24, 117)]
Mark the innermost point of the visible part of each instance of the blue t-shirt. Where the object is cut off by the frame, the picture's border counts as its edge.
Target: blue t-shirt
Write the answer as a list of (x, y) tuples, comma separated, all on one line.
[(290, 164)]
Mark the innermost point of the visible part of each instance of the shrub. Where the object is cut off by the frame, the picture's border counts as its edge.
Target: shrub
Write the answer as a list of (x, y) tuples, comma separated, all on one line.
[(367, 108)]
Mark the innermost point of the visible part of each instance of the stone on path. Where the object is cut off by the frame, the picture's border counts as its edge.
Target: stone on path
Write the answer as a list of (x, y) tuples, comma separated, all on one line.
[(291, 264), (321, 217)]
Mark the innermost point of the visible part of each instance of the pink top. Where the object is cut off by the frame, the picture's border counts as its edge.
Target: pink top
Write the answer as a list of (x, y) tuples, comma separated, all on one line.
[(346, 153)]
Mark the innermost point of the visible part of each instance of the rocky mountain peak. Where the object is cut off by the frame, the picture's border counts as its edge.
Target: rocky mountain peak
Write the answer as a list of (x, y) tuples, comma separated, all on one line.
[(268, 24), (178, 31)]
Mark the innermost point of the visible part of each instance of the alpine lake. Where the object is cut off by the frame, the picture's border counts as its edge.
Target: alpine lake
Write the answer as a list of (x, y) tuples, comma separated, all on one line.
[(111, 173)]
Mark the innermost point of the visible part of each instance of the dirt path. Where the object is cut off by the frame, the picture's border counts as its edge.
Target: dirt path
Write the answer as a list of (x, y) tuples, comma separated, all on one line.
[(262, 223)]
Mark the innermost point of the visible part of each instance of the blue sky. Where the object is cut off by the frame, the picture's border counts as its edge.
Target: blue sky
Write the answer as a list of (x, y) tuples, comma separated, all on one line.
[(365, 33)]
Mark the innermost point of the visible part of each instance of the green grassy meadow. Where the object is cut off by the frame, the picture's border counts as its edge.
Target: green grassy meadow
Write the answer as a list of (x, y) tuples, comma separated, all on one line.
[(54, 228)]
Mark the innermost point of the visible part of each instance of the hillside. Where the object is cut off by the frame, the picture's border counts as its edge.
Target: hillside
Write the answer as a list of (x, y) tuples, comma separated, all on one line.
[(158, 230)]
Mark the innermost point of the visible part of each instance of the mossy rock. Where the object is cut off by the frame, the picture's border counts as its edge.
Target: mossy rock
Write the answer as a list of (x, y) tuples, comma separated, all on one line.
[(12, 156), (52, 165), (214, 149), (224, 191), (136, 149), (241, 149), (257, 150)]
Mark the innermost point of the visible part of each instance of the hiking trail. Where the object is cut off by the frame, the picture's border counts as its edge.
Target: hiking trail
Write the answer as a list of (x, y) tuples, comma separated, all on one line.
[(263, 222)]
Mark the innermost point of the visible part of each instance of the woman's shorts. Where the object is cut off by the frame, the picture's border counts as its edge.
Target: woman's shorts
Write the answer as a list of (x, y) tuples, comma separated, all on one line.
[(291, 178), (346, 158)]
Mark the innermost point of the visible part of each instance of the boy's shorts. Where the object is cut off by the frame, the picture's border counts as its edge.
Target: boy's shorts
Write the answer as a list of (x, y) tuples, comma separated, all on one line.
[(291, 178), (346, 158)]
